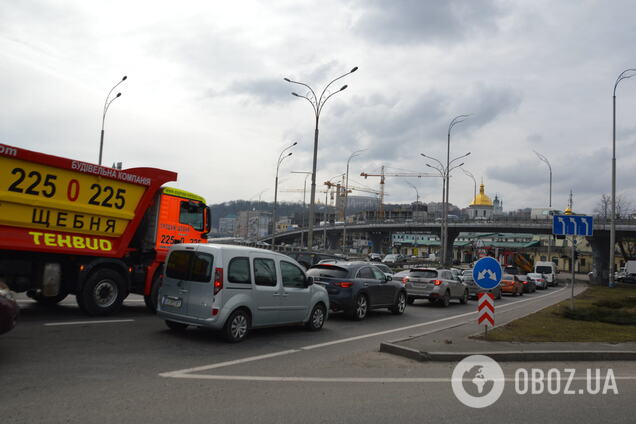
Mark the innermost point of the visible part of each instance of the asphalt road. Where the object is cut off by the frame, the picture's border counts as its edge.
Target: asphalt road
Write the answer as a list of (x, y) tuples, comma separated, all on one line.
[(60, 366)]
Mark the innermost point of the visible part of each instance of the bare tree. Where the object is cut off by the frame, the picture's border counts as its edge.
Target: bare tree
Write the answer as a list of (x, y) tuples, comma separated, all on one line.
[(603, 208)]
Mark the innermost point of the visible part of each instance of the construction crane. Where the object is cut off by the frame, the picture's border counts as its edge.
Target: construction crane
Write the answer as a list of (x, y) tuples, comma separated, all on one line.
[(383, 175), (340, 193)]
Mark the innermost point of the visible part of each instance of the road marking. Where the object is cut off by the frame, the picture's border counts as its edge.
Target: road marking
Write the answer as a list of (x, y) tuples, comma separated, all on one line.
[(178, 373), (187, 373), (110, 321), (347, 379)]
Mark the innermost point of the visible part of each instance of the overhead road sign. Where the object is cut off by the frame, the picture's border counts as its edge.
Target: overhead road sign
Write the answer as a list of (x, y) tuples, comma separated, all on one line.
[(572, 225), (487, 273)]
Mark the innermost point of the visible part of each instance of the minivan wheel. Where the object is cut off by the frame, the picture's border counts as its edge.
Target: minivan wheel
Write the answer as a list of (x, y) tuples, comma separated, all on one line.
[(317, 318), (176, 326), (444, 301), (400, 304), (237, 326), (360, 308)]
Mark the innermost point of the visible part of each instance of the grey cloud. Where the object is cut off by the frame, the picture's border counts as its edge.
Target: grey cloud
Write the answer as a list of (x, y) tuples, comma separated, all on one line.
[(415, 21)]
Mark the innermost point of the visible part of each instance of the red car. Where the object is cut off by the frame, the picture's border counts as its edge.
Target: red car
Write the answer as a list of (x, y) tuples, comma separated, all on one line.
[(9, 309), (510, 284)]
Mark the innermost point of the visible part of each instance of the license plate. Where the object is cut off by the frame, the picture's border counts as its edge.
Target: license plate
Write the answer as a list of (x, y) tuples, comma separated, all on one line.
[(171, 301), (420, 284)]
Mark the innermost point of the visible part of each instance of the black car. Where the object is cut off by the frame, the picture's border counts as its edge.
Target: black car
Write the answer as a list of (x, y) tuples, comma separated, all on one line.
[(356, 287), (308, 259)]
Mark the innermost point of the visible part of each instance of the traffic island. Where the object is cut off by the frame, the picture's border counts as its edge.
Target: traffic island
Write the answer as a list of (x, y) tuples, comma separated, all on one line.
[(599, 328)]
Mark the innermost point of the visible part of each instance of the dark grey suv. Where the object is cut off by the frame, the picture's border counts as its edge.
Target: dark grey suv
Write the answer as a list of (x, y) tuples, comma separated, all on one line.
[(356, 287)]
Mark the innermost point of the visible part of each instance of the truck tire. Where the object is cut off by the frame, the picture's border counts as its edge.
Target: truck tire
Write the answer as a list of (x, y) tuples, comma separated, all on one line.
[(103, 293), (152, 299)]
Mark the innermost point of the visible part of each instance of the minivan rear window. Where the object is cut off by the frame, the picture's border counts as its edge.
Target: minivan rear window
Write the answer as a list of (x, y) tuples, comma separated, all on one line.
[(178, 265), (201, 267), (327, 271), (544, 270)]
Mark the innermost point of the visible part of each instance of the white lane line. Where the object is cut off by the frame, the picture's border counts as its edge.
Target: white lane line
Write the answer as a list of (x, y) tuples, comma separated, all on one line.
[(348, 379), (110, 321), (179, 373), (186, 373)]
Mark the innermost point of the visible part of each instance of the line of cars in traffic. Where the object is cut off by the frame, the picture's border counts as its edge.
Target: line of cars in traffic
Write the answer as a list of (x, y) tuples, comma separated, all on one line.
[(234, 289)]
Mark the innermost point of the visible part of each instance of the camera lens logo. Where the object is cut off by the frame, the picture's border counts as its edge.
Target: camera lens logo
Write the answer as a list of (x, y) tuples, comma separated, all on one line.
[(478, 381)]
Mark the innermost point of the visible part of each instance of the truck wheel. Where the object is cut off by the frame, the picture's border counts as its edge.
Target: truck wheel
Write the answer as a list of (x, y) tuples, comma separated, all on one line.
[(152, 299), (103, 292)]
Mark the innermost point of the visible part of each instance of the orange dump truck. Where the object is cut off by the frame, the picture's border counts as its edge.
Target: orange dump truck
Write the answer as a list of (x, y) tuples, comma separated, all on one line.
[(72, 227)]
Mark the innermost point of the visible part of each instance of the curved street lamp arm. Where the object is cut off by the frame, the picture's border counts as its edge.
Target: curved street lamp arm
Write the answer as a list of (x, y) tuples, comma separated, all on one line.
[(107, 106), (543, 159), (622, 76), (469, 174), (439, 170), (304, 85), (106, 103), (458, 158), (285, 149), (455, 167), (430, 157), (322, 103), (456, 120), (332, 81), (310, 102)]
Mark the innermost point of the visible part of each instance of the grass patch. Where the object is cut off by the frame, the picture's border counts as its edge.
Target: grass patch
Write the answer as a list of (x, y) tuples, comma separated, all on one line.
[(600, 314)]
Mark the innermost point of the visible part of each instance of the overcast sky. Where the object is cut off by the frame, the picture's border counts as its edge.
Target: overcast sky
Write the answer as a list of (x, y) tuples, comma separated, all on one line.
[(205, 94)]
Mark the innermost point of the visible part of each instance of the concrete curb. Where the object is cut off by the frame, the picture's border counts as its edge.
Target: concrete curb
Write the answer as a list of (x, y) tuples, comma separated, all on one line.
[(511, 356)]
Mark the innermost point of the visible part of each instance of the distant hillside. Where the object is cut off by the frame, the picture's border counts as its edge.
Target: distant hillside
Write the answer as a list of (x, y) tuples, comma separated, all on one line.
[(233, 207)]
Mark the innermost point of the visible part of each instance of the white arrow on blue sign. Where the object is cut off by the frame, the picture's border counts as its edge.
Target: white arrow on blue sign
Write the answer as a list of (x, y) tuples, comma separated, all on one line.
[(572, 225), (487, 273)]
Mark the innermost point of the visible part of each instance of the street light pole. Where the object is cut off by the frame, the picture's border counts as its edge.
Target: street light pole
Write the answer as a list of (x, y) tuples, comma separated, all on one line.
[(280, 159), (317, 104), (456, 120), (444, 173), (302, 221), (346, 199), (106, 106), (547, 162), (469, 174), (628, 73)]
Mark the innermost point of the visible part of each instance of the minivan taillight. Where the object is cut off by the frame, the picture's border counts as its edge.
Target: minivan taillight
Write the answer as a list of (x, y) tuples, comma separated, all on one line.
[(218, 280)]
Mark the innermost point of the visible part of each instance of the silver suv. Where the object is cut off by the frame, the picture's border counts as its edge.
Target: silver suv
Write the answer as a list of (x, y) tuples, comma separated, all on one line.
[(436, 285), (235, 289)]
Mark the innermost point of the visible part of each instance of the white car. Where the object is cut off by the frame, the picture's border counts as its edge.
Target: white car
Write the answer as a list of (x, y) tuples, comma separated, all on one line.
[(236, 288)]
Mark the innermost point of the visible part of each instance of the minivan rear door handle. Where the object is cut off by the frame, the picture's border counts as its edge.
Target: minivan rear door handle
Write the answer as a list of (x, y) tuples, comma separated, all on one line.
[(183, 291), (275, 294)]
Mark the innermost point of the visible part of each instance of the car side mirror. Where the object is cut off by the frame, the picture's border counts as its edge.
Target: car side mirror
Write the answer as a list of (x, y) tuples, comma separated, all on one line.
[(309, 281)]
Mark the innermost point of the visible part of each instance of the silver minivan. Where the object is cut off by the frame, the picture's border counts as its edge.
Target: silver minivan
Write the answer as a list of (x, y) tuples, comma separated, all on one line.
[(236, 288)]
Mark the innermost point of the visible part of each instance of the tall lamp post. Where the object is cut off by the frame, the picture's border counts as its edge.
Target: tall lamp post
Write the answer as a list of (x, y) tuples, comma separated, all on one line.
[(106, 106), (444, 173), (545, 160), (417, 193), (281, 158), (346, 199), (469, 174), (456, 120), (302, 222), (317, 103), (627, 73)]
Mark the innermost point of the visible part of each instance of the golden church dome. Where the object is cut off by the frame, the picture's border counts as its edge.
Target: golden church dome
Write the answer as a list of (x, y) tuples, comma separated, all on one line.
[(481, 199)]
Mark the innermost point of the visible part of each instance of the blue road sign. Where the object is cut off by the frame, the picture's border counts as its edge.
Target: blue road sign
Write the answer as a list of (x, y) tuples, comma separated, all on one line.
[(487, 273), (572, 225)]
